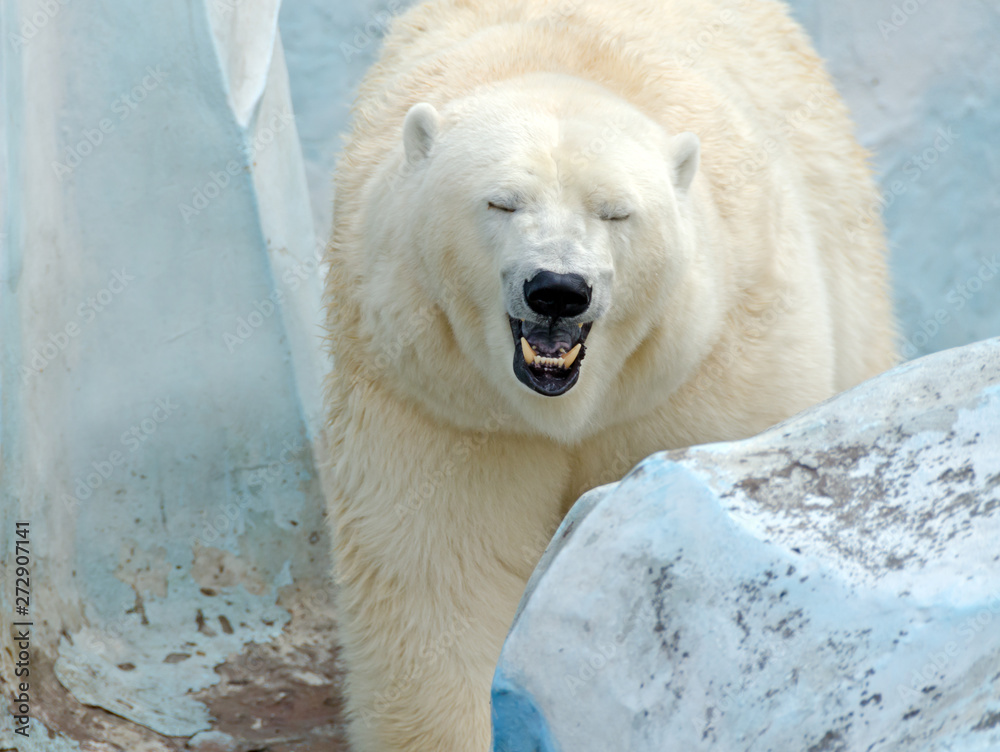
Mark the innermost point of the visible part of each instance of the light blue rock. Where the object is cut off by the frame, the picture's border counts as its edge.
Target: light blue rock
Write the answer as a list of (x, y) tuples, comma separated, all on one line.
[(830, 585)]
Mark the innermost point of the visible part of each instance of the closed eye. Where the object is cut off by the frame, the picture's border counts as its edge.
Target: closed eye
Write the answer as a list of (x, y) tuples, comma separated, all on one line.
[(613, 211), (501, 207)]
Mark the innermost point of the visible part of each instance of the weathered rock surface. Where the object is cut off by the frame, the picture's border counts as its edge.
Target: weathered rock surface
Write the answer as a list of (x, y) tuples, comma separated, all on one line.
[(832, 585)]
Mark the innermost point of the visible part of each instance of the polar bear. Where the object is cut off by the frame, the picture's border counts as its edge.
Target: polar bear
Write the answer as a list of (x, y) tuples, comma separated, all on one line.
[(567, 234)]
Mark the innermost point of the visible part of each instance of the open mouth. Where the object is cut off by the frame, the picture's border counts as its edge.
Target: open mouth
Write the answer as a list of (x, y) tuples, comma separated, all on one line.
[(547, 356)]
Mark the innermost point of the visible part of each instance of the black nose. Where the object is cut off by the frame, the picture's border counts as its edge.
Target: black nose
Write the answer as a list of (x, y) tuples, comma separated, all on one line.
[(557, 295)]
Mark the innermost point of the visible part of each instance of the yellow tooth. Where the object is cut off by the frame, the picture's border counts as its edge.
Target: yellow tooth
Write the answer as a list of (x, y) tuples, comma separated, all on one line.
[(529, 354), (570, 357)]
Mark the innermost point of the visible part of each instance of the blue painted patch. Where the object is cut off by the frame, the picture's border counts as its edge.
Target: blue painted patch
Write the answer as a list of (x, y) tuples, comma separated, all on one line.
[(518, 724)]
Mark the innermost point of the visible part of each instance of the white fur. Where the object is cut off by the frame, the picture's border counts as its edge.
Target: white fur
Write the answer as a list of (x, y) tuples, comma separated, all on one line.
[(724, 300)]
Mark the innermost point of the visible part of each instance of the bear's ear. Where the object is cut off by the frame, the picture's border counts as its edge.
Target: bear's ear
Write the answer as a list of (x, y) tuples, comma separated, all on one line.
[(686, 150), (419, 130)]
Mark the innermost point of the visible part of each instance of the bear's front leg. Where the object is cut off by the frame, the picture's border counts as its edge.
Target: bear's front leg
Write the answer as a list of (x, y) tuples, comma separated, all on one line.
[(436, 531)]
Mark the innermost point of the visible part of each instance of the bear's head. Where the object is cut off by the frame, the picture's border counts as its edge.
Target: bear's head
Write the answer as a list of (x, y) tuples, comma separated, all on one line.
[(553, 227)]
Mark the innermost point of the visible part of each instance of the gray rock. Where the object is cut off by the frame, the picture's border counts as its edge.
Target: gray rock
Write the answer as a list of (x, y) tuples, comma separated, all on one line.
[(831, 585)]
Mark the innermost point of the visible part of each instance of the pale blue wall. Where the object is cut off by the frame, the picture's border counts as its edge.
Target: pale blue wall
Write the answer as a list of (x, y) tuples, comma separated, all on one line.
[(908, 69)]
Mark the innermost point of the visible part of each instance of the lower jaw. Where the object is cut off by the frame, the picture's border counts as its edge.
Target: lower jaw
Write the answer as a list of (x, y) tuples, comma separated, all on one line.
[(547, 387), (547, 382)]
